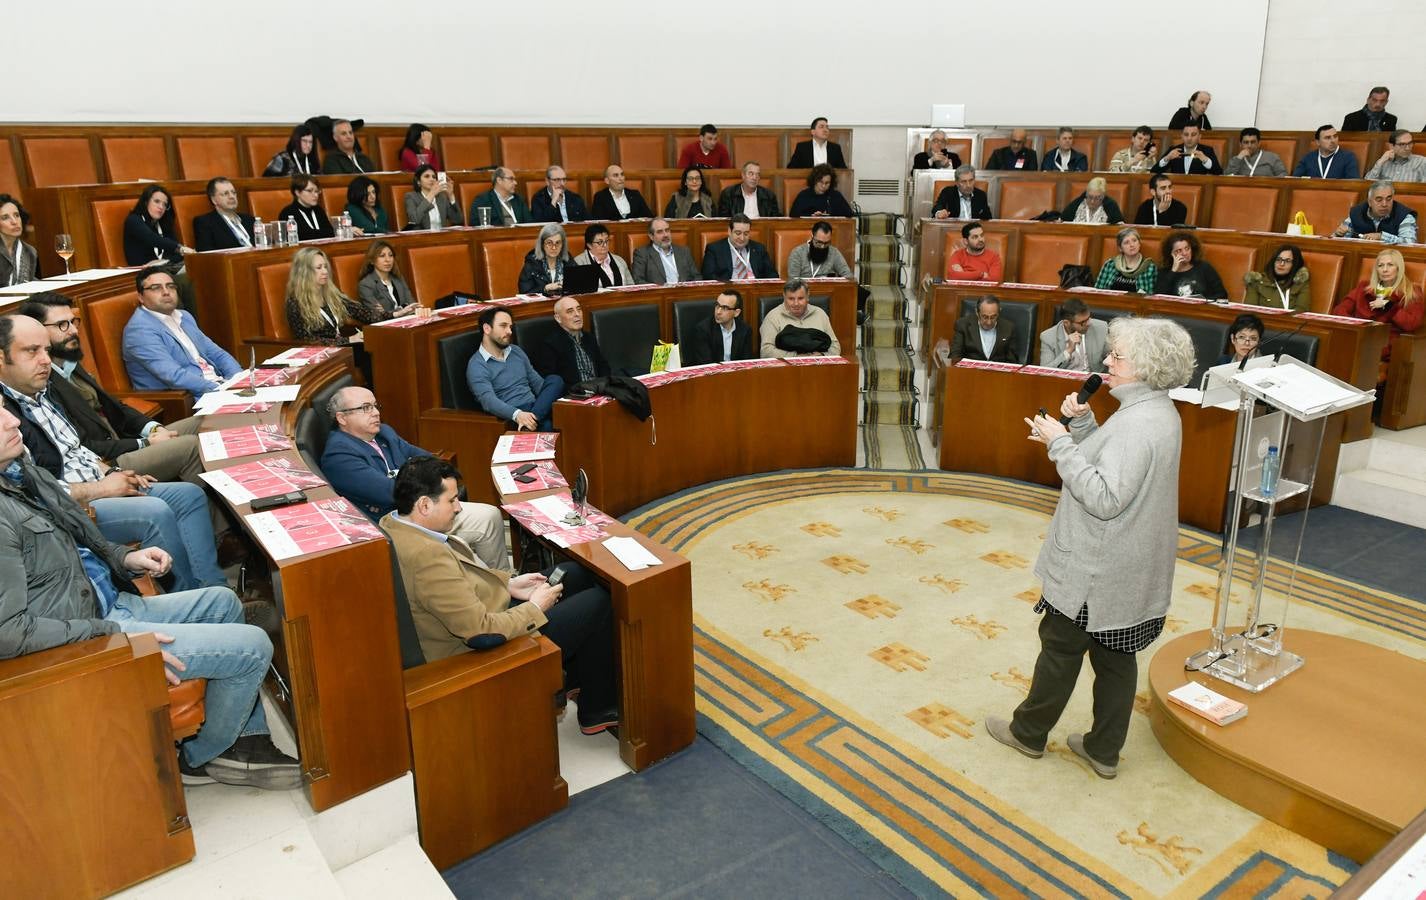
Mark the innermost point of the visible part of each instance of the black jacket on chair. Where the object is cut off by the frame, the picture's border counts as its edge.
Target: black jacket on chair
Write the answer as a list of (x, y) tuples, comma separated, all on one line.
[(210, 232), (802, 156), (706, 345), (555, 356)]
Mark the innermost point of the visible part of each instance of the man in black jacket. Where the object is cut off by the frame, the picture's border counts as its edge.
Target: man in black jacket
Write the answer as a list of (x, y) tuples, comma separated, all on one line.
[(617, 202), (570, 352), (555, 202), (818, 150), (722, 338), (963, 200), (748, 197), (224, 228), (1372, 116), (974, 333), (1018, 155), (737, 257)]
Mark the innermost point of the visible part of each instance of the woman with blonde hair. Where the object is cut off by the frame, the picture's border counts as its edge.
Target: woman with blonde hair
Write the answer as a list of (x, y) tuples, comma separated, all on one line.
[(1388, 296), (317, 310)]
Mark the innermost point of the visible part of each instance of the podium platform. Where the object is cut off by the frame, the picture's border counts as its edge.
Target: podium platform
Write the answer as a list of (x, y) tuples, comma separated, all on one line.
[(1333, 753)]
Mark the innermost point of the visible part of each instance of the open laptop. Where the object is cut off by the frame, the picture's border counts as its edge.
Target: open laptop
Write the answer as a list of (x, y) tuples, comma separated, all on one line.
[(580, 279)]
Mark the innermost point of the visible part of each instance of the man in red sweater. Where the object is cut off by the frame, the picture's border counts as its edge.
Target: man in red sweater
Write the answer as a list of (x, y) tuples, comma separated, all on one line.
[(706, 152), (972, 261)]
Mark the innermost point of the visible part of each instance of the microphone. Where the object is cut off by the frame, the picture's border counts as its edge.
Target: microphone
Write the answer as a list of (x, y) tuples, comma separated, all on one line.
[(1091, 384), (1281, 340)]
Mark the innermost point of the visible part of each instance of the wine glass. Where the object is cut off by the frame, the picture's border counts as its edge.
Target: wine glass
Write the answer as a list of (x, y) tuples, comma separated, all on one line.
[(64, 246)]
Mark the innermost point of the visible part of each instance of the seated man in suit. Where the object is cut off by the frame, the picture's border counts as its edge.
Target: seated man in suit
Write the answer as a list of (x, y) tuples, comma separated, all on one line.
[(503, 381), (748, 197), (737, 257), (724, 337), (1328, 160), (458, 603), (163, 348), (820, 149), (555, 202), (571, 353), (936, 155), (661, 261), (346, 157), (617, 202), (224, 228), (984, 335), (1078, 341), (361, 459), (1373, 115), (613, 271), (506, 205), (798, 313), (62, 581), (1017, 155), (1065, 158), (962, 200), (1189, 157)]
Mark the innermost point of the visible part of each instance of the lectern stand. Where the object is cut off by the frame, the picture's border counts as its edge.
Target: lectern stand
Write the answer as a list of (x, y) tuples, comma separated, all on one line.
[(1272, 396)]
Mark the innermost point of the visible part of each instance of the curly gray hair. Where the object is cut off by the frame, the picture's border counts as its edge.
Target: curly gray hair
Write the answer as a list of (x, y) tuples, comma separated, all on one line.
[(1160, 350)]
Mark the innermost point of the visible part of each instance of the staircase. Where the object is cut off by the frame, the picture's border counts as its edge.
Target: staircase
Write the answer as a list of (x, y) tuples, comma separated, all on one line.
[(1385, 476), (891, 412)]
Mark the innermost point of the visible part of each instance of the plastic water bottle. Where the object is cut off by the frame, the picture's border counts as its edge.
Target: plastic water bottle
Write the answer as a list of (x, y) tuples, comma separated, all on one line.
[(346, 225), (291, 231), (1272, 464), (259, 233)]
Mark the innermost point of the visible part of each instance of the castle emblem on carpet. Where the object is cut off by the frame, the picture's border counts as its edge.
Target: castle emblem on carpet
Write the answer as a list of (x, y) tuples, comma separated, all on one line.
[(900, 658), (873, 606), (847, 565)]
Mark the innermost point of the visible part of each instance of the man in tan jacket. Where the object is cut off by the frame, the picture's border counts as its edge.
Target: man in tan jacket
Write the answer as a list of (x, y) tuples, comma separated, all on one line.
[(457, 603)]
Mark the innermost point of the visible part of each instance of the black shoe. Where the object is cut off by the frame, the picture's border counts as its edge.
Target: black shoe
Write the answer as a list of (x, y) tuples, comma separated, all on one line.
[(190, 775), (264, 615), (605, 720), (255, 761)]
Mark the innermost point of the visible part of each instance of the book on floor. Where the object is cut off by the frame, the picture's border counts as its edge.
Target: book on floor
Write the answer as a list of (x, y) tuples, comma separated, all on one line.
[(1209, 704)]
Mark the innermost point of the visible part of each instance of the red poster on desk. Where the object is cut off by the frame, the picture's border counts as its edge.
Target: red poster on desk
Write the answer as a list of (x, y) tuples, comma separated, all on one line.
[(311, 527), (239, 409), (251, 481), (525, 446), (301, 356), (543, 477), (258, 378), (250, 440)]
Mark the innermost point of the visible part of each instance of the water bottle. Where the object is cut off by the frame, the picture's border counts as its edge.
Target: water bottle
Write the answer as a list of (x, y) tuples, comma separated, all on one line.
[(291, 231), (259, 233), (346, 225), (1272, 464)]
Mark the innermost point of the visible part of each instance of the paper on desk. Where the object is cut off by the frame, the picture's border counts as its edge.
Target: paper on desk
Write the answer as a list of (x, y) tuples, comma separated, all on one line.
[(94, 274), (524, 447), (301, 356), (35, 287), (258, 378), (631, 553), (1195, 397), (275, 394), (1295, 387)]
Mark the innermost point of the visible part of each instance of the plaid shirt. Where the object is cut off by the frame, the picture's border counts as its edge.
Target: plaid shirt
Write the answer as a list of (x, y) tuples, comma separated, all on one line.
[(80, 463), (1124, 640)]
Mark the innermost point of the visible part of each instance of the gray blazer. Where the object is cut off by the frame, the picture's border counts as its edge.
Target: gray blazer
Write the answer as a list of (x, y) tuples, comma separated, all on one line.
[(648, 267), (584, 259), (1053, 345), (373, 293), (418, 210), (1114, 537)]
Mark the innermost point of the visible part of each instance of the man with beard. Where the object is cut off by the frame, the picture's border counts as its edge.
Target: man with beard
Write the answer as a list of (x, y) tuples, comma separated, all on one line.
[(973, 261), (661, 261), (1161, 208), (819, 259), (503, 381)]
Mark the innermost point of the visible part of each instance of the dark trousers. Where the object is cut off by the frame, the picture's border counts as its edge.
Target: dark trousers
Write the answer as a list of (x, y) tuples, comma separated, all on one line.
[(550, 390), (1062, 648), (582, 625)]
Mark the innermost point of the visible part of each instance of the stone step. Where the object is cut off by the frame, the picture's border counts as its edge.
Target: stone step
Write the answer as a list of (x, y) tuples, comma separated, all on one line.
[(1381, 493)]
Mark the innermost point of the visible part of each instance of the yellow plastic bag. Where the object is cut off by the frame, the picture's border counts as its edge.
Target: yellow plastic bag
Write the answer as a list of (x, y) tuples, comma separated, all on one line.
[(1299, 224)]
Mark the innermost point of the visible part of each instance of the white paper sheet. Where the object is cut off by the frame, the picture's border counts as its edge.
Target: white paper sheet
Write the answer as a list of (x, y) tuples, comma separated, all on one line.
[(631, 553), (281, 393)]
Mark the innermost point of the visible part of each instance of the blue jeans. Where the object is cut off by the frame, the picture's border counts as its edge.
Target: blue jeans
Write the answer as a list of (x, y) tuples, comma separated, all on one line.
[(173, 516), (209, 637), (551, 390)]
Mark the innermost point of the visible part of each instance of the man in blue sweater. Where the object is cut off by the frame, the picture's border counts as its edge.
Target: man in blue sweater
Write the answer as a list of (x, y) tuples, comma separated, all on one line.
[(503, 381)]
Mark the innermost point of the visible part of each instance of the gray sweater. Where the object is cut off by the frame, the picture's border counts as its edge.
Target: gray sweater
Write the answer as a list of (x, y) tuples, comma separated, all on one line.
[(1114, 537)]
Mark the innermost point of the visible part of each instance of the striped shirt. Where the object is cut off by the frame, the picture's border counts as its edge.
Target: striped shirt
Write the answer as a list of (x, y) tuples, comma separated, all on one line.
[(80, 463)]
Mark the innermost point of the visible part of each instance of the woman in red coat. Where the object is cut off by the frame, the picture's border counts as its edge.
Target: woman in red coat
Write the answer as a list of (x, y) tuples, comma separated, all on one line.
[(1387, 297)]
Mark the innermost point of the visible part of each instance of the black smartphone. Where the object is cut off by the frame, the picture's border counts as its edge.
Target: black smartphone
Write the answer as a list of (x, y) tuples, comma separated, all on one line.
[(556, 576), (265, 503), (527, 467), (525, 479)]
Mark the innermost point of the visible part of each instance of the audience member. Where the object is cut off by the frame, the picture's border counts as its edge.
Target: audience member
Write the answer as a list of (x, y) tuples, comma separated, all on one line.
[(984, 335), (818, 258), (381, 289), (796, 327), (224, 228), (543, 272), (364, 207), (705, 153), (163, 348), (1183, 273), (506, 206), (361, 459), (1388, 296), (936, 155), (819, 150), (1189, 157), (972, 260), (1380, 218), (299, 157), (1284, 282), (150, 232), (1161, 208), (820, 197), (1399, 162), (1129, 269), (1015, 155), (661, 261), (346, 158), (1139, 156), (737, 257), (1078, 342), (306, 210), (747, 197), (555, 202), (693, 199), (432, 204), (1065, 158), (20, 262), (722, 338), (962, 200), (1195, 113), (457, 602), (66, 583), (1373, 115), (502, 380), (613, 271), (418, 149), (1244, 336), (616, 202), (317, 310), (571, 353), (1094, 206), (1251, 157), (1328, 160)]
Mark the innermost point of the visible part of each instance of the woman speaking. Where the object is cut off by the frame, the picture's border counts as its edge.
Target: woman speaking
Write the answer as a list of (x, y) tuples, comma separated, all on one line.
[(1108, 560)]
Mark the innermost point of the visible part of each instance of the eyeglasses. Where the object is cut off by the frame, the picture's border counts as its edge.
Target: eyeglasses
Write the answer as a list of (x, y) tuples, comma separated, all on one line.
[(163, 288), (365, 409), (600, 242), (66, 326), (1244, 338), (1284, 259), (725, 307)]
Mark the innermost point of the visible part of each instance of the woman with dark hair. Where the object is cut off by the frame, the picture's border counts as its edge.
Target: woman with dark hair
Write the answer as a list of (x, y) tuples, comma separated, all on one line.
[(1183, 274), (364, 206), (1195, 113), (432, 205), (19, 262), (693, 199), (1244, 337), (299, 157), (306, 209), (1284, 282), (150, 232), (382, 289), (418, 149), (820, 197)]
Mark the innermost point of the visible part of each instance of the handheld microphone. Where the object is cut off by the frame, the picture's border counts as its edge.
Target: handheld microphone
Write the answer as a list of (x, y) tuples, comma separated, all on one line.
[(1091, 384)]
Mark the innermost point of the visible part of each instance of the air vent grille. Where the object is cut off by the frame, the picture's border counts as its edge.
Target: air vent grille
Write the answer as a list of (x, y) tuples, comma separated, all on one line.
[(878, 187)]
